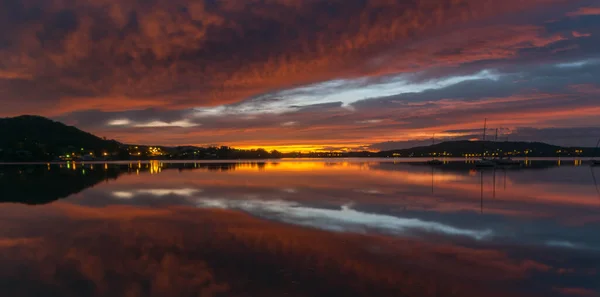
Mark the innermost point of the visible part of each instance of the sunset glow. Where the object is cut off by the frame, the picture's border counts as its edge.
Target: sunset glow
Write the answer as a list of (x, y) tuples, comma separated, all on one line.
[(364, 75)]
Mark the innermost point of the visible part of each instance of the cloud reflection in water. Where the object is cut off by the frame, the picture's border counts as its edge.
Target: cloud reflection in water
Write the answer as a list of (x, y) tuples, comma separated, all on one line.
[(155, 192), (344, 219)]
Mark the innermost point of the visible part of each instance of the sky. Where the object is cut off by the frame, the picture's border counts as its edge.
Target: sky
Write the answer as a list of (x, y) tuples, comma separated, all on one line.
[(305, 75)]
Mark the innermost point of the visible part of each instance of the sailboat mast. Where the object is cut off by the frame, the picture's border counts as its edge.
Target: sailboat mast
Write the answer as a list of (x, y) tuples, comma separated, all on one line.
[(483, 143), (496, 140), (484, 128), (596, 150)]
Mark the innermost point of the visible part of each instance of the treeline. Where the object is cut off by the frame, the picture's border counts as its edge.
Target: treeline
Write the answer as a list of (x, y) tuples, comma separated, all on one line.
[(225, 152)]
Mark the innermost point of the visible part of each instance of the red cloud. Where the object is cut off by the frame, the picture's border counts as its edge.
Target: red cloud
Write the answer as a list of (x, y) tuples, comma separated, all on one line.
[(118, 55), (585, 11), (178, 54)]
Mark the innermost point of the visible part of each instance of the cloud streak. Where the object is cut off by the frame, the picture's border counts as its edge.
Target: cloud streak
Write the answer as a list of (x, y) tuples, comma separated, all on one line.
[(209, 71)]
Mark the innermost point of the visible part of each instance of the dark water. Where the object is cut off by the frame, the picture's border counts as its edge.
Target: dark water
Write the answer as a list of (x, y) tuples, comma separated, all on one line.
[(289, 228)]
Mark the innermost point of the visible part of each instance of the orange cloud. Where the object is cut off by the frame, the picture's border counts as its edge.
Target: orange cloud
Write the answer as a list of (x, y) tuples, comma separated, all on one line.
[(198, 53), (172, 56), (397, 122)]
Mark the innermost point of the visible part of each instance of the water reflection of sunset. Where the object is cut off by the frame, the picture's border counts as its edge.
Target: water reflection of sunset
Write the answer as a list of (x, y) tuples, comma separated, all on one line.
[(302, 166), (384, 227), (183, 250), (389, 179)]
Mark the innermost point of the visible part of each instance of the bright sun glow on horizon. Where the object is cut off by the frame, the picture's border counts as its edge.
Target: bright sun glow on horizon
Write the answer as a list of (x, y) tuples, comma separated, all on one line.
[(306, 148)]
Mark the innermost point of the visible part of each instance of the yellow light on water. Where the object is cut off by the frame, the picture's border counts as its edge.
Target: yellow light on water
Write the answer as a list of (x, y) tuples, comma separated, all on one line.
[(155, 167)]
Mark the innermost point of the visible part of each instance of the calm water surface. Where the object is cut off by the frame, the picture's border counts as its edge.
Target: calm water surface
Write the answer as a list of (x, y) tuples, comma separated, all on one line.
[(299, 228)]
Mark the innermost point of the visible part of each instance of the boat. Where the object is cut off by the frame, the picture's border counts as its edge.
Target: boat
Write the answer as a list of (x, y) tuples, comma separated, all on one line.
[(595, 182), (485, 163), (434, 161), (507, 162)]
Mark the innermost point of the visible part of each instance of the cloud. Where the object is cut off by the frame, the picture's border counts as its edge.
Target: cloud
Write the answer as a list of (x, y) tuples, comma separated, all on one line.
[(119, 122), (541, 96), (289, 124), (583, 11), (160, 124), (579, 34), (123, 194), (353, 72), (206, 53)]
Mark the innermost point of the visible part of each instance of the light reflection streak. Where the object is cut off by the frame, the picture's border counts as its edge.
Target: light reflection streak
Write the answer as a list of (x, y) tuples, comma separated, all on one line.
[(302, 166)]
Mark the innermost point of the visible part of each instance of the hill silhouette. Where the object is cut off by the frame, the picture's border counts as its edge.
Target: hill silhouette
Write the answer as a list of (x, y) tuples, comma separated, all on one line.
[(501, 148), (40, 185), (37, 138)]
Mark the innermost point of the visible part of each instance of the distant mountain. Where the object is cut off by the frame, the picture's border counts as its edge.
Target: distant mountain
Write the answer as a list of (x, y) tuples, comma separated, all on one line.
[(38, 138), (469, 148), (35, 138)]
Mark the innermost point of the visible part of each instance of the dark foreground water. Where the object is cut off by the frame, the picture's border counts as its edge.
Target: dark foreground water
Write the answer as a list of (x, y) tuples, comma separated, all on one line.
[(290, 228)]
